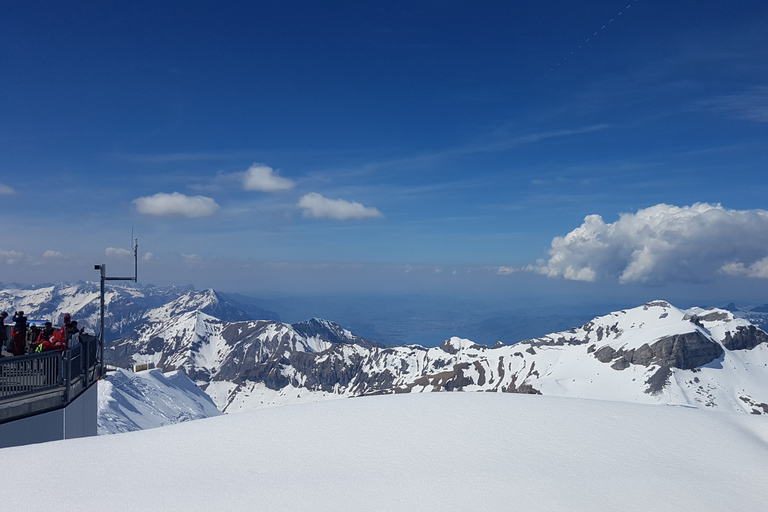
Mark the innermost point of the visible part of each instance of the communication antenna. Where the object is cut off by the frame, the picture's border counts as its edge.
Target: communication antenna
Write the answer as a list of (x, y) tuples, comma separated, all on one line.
[(103, 270)]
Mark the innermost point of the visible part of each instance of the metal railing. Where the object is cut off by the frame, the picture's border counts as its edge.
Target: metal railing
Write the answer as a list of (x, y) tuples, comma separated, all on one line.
[(59, 377)]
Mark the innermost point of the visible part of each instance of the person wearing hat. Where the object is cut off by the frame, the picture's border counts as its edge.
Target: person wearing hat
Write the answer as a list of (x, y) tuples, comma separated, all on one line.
[(46, 333)]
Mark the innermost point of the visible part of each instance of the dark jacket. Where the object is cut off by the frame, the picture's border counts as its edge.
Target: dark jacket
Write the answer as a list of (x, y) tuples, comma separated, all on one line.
[(21, 323)]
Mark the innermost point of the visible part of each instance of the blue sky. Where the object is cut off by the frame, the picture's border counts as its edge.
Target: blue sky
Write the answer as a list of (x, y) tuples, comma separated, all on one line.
[(395, 147)]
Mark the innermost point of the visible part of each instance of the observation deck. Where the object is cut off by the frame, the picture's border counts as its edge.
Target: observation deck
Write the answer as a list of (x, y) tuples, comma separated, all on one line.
[(50, 395)]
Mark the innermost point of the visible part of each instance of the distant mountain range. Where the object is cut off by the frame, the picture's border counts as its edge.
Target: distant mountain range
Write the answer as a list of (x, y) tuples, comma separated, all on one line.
[(654, 353), (127, 307)]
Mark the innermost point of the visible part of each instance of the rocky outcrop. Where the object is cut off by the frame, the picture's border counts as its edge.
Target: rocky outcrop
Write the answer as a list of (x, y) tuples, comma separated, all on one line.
[(683, 351), (745, 338)]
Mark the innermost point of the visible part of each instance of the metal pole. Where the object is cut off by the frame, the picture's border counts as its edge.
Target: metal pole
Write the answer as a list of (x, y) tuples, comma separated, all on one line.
[(103, 269), (135, 278)]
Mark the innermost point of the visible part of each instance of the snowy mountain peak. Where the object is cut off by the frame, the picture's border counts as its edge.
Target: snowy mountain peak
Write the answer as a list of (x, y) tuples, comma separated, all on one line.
[(455, 344), (329, 332)]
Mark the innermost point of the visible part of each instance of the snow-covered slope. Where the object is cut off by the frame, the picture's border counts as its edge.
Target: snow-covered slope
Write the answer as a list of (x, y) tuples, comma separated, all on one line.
[(432, 451), (135, 401), (654, 353)]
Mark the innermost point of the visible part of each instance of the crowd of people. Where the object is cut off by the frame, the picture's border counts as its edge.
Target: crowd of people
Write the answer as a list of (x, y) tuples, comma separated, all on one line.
[(28, 338)]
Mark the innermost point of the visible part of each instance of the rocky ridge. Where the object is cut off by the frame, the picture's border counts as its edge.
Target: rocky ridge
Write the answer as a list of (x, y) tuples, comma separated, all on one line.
[(655, 353)]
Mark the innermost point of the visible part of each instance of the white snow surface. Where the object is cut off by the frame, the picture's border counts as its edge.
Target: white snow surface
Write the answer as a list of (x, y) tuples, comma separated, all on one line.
[(135, 401), (411, 452)]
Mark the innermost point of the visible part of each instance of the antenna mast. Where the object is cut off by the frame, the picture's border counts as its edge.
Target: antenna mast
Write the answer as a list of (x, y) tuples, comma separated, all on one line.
[(103, 270)]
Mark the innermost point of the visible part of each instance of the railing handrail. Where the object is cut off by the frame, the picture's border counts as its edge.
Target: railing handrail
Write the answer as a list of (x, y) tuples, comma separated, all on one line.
[(69, 373)]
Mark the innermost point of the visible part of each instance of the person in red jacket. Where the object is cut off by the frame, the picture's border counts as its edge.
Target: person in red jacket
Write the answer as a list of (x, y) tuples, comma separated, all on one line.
[(58, 341), (20, 338), (45, 335)]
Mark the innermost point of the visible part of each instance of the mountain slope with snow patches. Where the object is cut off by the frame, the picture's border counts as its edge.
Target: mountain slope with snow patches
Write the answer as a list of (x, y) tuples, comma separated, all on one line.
[(654, 353)]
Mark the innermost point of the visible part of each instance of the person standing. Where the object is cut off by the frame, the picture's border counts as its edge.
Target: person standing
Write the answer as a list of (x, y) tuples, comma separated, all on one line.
[(3, 334), (20, 336)]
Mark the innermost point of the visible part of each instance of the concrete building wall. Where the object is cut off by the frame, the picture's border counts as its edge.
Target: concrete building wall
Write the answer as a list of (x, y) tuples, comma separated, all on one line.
[(78, 419)]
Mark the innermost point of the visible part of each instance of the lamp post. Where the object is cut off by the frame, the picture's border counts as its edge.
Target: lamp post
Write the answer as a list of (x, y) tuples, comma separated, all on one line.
[(102, 268)]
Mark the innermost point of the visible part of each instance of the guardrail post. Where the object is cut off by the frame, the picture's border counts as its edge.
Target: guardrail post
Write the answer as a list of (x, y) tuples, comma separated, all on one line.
[(67, 362), (86, 344)]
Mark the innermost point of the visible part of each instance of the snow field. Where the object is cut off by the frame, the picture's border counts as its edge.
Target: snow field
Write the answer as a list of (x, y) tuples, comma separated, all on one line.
[(413, 452)]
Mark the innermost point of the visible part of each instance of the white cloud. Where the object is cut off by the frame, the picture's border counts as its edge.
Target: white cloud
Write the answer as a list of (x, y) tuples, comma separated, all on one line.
[(263, 178), (319, 207), (150, 257), (176, 205), (664, 243), (117, 252), (5, 190), (52, 254), (757, 269), (11, 257)]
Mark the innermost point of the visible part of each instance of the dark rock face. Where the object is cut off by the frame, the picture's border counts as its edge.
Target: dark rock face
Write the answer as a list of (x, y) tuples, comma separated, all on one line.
[(745, 338), (323, 371), (684, 351), (658, 304), (605, 354), (523, 388), (450, 380), (621, 364), (447, 346), (757, 407), (658, 380)]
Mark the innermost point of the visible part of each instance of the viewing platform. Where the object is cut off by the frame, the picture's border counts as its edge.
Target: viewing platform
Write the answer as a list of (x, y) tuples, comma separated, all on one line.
[(50, 395)]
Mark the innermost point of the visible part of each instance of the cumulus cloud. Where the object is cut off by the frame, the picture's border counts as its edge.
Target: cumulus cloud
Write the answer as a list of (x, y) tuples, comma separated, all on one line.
[(117, 252), (52, 254), (319, 207), (263, 178), (756, 269), (5, 190), (664, 243), (150, 257), (176, 205), (10, 257)]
